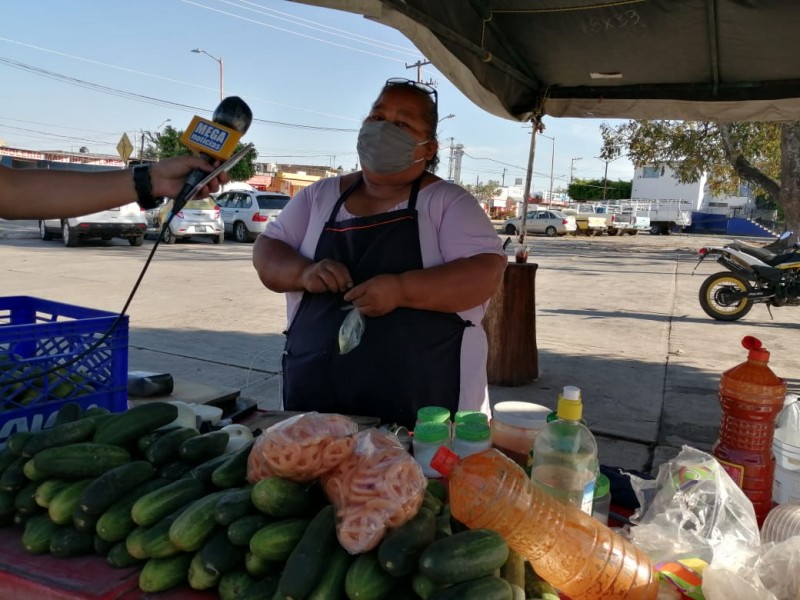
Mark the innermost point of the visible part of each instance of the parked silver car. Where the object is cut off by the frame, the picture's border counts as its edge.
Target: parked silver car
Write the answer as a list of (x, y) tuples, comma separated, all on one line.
[(126, 222), (199, 218), (246, 213), (548, 222)]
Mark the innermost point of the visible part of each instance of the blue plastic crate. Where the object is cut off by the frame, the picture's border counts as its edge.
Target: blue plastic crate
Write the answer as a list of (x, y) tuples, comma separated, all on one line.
[(37, 335)]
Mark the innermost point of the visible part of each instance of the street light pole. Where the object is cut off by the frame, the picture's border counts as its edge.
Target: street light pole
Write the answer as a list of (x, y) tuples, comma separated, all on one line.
[(221, 70)]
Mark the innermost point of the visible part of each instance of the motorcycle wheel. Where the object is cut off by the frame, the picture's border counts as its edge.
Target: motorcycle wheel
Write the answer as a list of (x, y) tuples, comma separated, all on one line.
[(714, 296)]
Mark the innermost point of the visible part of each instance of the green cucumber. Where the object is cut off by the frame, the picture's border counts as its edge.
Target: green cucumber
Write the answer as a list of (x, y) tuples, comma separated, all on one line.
[(115, 483), (258, 567), (63, 504), (196, 524), (243, 528), (432, 503), (37, 534), (401, 548), (306, 564), (205, 470), (487, 587), (331, 584), (465, 555), (151, 436), (83, 521), (151, 508), (96, 411), (29, 469), (155, 542), (6, 458), (277, 540), (67, 433), (437, 489), (424, 586), (25, 498), (164, 450), (68, 413), (233, 472), (81, 460), (101, 546), (162, 574), (127, 427), (134, 541), (116, 522), (68, 541), (47, 489), (13, 478), (281, 498), (119, 557), (233, 504), (219, 555), (16, 441), (234, 584), (175, 470), (7, 509), (199, 578), (366, 580), (203, 447)]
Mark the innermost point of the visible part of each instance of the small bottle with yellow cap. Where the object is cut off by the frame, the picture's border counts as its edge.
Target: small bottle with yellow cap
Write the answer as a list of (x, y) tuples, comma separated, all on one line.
[(565, 454)]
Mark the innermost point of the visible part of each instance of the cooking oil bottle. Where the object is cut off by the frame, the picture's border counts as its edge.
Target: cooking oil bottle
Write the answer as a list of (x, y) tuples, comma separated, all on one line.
[(573, 552), (752, 396)]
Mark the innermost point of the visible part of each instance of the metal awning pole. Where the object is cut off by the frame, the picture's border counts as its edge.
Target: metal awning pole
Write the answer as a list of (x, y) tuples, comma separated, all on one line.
[(535, 125)]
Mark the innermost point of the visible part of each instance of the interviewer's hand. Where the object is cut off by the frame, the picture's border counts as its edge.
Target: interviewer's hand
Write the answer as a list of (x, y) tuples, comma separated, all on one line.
[(326, 275), (169, 175), (377, 296)]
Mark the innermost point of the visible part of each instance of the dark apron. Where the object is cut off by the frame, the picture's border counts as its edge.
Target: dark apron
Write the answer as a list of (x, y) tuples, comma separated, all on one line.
[(407, 359)]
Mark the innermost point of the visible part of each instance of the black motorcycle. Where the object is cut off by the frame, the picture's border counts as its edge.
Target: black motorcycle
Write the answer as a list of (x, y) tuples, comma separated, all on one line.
[(756, 274)]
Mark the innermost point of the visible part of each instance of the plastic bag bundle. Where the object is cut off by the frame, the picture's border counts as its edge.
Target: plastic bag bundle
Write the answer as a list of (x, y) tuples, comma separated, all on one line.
[(302, 447), (351, 330), (379, 486), (693, 509)]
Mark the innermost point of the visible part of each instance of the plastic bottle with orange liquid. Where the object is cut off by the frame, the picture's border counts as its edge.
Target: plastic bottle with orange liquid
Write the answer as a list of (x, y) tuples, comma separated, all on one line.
[(569, 549), (752, 396)]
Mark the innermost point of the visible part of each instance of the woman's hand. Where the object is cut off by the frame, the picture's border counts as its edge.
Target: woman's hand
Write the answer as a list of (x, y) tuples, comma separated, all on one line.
[(326, 275), (377, 296)]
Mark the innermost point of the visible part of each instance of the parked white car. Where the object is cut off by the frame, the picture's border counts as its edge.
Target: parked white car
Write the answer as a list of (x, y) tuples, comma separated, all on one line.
[(126, 222), (549, 222), (198, 218), (246, 213)]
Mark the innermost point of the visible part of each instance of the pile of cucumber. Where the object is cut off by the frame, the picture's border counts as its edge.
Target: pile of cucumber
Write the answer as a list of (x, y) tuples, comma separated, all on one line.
[(144, 493)]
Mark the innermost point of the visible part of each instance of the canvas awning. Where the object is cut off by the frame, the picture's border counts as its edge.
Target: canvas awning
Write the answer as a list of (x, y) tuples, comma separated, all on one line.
[(722, 60)]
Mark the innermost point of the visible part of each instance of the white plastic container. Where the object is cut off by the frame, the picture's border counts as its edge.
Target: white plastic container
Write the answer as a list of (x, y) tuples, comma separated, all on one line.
[(786, 448), (427, 439), (514, 427), (782, 522), (471, 438)]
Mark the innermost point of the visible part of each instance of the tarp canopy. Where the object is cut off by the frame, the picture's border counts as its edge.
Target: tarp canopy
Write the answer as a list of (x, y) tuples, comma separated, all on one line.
[(705, 60)]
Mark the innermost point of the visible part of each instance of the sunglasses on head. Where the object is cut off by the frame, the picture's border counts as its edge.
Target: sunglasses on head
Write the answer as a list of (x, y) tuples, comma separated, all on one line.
[(430, 90)]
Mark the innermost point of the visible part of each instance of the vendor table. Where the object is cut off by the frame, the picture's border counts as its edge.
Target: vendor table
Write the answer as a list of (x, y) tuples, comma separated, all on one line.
[(25, 576)]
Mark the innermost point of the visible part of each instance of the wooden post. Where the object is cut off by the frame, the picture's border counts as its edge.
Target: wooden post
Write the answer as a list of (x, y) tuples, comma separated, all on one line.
[(510, 325)]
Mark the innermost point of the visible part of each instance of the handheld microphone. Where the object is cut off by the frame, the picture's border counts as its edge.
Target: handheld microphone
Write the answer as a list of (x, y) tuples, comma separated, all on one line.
[(215, 139)]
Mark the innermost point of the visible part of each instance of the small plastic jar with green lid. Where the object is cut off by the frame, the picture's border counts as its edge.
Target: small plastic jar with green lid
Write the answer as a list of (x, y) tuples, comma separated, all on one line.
[(426, 441), (471, 437), (433, 414), (471, 416)]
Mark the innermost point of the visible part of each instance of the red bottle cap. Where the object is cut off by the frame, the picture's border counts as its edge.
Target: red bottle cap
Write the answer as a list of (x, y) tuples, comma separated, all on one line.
[(444, 460), (753, 344)]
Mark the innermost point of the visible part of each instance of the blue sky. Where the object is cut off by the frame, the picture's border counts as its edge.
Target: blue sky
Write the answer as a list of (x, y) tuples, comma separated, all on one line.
[(81, 72)]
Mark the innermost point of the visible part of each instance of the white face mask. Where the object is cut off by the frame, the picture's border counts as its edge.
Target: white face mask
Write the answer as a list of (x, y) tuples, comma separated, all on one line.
[(385, 148)]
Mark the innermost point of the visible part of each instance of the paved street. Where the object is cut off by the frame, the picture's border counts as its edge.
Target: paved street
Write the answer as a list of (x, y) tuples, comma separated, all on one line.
[(616, 316)]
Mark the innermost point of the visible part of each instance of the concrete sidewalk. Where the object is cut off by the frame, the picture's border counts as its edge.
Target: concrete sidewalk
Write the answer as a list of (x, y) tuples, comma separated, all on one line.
[(616, 316)]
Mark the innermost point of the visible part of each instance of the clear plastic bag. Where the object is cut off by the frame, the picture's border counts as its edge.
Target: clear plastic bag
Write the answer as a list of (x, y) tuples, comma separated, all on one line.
[(302, 448), (379, 486), (351, 330), (693, 509)]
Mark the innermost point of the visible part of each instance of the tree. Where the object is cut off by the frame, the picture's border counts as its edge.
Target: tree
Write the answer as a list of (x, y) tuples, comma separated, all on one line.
[(168, 143), (765, 154), (582, 190), (484, 192)]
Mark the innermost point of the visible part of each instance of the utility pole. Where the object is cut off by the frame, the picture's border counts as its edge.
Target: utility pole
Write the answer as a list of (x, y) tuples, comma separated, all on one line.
[(504, 177), (552, 162), (418, 66), (477, 180), (450, 163), (572, 166)]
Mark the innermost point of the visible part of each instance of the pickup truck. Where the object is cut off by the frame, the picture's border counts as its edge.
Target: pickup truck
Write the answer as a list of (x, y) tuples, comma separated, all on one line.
[(619, 220), (586, 221), (665, 215)]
